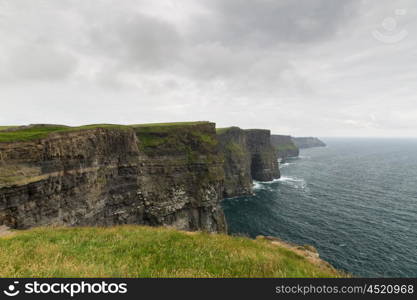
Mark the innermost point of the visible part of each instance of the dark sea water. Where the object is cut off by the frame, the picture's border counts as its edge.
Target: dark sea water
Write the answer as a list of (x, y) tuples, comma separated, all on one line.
[(355, 201)]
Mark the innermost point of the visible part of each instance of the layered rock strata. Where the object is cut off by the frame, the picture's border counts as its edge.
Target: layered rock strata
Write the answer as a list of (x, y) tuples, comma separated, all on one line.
[(153, 175)]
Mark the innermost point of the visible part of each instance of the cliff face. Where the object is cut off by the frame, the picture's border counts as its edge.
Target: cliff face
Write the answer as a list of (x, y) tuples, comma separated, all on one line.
[(248, 156), (308, 142), (284, 146), (161, 175), (264, 165), (237, 162)]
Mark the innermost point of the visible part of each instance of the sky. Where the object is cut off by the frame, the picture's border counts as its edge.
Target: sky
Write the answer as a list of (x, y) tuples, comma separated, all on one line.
[(299, 67)]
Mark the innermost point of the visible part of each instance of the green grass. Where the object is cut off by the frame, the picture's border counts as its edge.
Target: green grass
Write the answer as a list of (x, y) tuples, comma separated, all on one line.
[(179, 138), (170, 124), (222, 130), (286, 147), (42, 131), (27, 134), (135, 251), (6, 127)]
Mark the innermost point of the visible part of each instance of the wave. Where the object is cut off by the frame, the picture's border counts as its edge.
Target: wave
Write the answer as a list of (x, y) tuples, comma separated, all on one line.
[(295, 182), (257, 185), (288, 178), (298, 183), (261, 185)]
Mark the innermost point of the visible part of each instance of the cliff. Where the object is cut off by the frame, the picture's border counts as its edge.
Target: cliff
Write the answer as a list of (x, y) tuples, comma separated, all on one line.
[(237, 161), (160, 174), (264, 164), (284, 146), (248, 156), (308, 142)]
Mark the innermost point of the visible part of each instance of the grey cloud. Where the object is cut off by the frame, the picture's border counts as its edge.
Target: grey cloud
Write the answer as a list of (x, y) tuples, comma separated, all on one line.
[(136, 41), (39, 62), (294, 66), (251, 23)]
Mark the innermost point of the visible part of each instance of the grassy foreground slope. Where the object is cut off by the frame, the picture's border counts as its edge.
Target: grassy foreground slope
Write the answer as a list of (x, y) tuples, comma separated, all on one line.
[(137, 251)]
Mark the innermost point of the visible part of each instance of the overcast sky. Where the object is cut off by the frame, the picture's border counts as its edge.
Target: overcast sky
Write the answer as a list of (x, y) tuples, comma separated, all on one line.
[(300, 67)]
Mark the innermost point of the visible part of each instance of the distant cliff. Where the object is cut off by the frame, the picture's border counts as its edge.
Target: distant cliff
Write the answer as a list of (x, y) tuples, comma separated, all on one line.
[(248, 156), (264, 165), (284, 146), (308, 142), (163, 174)]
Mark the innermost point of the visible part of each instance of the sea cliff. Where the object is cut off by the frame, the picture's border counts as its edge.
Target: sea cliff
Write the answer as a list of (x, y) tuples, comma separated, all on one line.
[(172, 174), (308, 142), (167, 174), (233, 144), (248, 156), (284, 146)]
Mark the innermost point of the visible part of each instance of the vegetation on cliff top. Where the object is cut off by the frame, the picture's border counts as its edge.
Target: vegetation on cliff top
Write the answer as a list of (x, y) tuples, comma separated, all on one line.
[(155, 139), (34, 132), (285, 147), (6, 127), (170, 124), (222, 130), (137, 251)]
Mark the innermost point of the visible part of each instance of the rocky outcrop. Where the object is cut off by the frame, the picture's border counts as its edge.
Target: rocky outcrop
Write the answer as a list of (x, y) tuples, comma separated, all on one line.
[(248, 156), (153, 175), (308, 142), (284, 146)]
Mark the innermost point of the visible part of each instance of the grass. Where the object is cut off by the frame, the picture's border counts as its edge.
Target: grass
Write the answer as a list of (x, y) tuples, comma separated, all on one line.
[(6, 127), (27, 134), (42, 131), (222, 130), (286, 147), (158, 138), (137, 251), (170, 124)]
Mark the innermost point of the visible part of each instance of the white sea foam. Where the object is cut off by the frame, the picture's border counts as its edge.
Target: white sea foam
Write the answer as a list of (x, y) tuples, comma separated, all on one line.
[(298, 183), (284, 165), (292, 181), (257, 185), (263, 185), (288, 178)]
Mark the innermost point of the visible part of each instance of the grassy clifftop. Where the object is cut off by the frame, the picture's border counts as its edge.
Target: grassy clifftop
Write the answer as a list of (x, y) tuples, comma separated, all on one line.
[(135, 251), (286, 147), (40, 131)]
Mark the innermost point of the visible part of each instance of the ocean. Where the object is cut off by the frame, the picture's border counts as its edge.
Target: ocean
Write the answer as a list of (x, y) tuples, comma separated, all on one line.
[(354, 200)]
